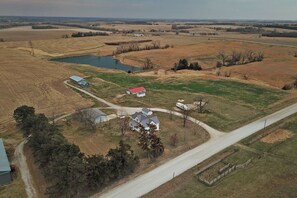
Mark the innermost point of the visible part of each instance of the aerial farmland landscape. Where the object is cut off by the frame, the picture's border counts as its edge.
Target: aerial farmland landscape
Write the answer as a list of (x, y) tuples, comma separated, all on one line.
[(127, 99)]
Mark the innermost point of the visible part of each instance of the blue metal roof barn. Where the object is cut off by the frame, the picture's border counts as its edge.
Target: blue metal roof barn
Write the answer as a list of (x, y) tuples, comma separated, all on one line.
[(5, 176), (80, 81)]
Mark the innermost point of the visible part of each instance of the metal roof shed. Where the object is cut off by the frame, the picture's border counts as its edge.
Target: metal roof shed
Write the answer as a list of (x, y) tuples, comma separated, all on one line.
[(5, 176), (80, 81)]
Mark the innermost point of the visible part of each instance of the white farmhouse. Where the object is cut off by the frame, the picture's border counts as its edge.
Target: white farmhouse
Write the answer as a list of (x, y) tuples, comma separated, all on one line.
[(139, 119)]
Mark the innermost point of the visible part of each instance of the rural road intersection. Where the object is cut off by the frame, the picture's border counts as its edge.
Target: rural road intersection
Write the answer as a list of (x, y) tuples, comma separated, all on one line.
[(219, 141)]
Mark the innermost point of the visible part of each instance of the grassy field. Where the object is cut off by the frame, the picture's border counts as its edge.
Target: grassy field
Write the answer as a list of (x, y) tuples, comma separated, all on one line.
[(231, 103), (274, 174), (107, 136)]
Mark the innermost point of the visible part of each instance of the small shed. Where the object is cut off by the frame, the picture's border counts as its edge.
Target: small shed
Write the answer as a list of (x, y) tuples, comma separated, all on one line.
[(80, 81), (95, 115), (138, 91), (5, 177)]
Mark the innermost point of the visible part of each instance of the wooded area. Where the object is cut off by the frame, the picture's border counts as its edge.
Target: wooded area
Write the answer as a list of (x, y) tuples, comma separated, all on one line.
[(68, 171)]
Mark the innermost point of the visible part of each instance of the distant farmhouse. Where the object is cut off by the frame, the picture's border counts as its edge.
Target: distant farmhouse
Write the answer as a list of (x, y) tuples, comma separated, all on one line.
[(95, 115), (142, 119), (80, 81), (5, 177), (138, 91)]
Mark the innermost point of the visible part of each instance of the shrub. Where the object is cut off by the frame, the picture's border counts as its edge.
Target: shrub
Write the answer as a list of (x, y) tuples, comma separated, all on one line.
[(287, 87)]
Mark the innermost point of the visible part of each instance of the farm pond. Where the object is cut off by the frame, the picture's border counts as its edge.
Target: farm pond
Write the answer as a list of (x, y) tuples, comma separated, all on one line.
[(99, 61)]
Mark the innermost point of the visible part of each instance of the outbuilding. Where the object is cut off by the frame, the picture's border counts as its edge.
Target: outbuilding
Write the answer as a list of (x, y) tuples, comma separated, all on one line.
[(95, 115), (80, 81), (5, 177), (138, 91)]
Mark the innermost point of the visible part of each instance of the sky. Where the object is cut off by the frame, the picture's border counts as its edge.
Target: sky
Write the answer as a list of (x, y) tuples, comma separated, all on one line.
[(165, 9)]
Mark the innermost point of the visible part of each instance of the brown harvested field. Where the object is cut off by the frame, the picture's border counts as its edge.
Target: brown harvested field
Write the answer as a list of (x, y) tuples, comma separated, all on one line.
[(278, 135), (28, 80), (26, 33), (144, 28), (38, 82), (278, 68)]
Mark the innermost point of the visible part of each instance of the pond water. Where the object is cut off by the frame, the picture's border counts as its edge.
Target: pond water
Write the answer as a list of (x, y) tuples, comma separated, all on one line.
[(98, 61)]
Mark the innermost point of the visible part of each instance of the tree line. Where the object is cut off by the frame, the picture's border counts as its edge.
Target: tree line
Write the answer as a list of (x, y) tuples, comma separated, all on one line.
[(134, 46), (281, 34), (37, 27), (86, 34), (184, 64), (238, 58), (69, 171), (281, 26)]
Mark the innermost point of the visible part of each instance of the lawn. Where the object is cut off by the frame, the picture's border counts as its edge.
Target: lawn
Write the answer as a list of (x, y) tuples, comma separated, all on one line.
[(273, 175), (231, 103), (236, 91), (107, 136)]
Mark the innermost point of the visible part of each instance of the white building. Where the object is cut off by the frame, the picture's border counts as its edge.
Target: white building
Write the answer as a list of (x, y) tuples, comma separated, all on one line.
[(139, 119)]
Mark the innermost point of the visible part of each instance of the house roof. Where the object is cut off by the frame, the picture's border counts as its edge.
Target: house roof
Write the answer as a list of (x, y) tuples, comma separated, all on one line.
[(134, 123), (4, 163), (136, 90), (76, 78), (136, 114), (146, 110), (155, 120), (145, 123), (94, 113)]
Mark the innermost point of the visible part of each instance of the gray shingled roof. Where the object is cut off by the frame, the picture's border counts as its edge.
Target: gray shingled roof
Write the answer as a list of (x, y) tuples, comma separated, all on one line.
[(146, 110), (155, 120)]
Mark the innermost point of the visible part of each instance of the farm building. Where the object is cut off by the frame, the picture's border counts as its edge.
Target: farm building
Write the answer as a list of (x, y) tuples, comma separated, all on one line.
[(146, 111), (5, 177), (80, 81), (138, 91), (139, 120), (95, 115)]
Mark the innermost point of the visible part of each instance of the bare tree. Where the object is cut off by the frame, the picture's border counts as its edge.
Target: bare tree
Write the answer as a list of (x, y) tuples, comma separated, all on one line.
[(201, 104), (156, 44), (223, 57), (174, 139), (236, 57), (250, 56), (148, 64), (124, 124), (228, 74), (259, 56), (86, 117), (171, 115), (246, 76), (185, 116)]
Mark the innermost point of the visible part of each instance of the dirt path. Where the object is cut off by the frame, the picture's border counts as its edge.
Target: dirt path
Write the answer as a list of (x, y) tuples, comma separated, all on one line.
[(21, 161)]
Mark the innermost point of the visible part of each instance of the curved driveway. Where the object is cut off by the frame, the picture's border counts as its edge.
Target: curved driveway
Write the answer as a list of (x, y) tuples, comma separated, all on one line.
[(164, 173)]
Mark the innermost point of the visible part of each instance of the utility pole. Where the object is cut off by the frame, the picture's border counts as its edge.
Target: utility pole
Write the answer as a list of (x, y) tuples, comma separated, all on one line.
[(265, 122)]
